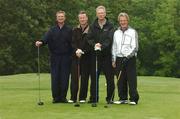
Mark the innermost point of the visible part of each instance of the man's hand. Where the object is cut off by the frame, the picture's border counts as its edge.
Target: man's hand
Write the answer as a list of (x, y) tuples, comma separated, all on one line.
[(38, 43), (97, 47), (79, 52), (124, 60), (114, 64)]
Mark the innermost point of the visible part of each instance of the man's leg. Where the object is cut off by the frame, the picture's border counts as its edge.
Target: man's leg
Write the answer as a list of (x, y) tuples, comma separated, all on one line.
[(122, 81), (74, 80), (108, 71), (132, 80), (65, 72), (85, 73), (55, 78)]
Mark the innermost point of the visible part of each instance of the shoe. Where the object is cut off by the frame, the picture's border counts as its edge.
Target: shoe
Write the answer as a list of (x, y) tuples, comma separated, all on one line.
[(82, 101), (110, 102), (56, 101), (132, 103), (70, 101), (64, 101), (121, 102)]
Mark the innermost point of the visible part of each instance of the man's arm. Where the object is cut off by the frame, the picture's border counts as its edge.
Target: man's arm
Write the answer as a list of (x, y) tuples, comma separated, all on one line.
[(44, 40), (90, 37)]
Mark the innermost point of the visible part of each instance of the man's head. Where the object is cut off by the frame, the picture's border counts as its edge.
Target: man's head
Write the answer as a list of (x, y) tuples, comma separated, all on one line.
[(123, 20), (83, 18), (101, 13), (60, 17)]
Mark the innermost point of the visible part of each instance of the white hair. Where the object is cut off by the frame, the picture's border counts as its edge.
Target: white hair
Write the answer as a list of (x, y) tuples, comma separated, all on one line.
[(124, 15), (101, 7)]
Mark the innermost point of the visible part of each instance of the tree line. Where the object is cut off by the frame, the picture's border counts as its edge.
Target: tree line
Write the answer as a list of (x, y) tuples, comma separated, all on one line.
[(157, 22)]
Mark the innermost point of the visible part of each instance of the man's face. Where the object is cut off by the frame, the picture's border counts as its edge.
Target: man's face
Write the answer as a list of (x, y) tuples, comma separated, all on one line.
[(60, 17), (83, 19), (123, 21), (101, 14)]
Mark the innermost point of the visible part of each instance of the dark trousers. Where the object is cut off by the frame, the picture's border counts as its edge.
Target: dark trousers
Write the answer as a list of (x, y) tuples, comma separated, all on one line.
[(103, 64), (127, 80), (60, 70), (84, 73)]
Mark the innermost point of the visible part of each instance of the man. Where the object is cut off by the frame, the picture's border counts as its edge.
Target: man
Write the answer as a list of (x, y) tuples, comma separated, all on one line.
[(124, 51), (81, 59), (59, 39), (100, 39)]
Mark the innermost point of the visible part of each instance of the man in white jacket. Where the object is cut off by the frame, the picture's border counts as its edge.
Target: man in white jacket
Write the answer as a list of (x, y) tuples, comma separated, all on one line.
[(124, 52)]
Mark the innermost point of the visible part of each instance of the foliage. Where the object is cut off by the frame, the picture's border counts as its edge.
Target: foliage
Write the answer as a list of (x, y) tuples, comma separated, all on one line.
[(156, 21)]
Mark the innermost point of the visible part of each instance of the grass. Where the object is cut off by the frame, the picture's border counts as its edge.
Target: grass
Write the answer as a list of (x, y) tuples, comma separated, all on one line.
[(159, 99)]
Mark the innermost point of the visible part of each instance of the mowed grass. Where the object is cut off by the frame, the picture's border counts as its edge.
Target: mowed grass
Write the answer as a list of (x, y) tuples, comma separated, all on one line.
[(159, 99)]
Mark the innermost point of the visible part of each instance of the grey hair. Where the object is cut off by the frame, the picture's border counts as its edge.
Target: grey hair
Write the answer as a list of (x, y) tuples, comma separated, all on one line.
[(61, 12), (100, 7), (124, 15)]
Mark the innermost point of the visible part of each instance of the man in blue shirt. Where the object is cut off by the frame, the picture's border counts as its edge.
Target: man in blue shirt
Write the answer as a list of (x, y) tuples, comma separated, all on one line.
[(58, 39)]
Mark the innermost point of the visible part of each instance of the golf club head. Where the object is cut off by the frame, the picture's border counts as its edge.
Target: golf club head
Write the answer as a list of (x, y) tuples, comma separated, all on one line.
[(40, 103), (77, 105), (94, 105)]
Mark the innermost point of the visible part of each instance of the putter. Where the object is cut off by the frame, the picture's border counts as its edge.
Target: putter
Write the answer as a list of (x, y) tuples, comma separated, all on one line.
[(108, 104), (78, 72), (39, 83), (94, 104)]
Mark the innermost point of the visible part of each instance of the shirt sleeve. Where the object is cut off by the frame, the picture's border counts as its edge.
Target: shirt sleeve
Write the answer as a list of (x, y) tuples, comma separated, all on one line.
[(114, 48), (134, 45), (47, 37)]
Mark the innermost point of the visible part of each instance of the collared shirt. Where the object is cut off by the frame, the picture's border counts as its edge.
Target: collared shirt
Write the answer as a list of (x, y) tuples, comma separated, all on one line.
[(101, 24)]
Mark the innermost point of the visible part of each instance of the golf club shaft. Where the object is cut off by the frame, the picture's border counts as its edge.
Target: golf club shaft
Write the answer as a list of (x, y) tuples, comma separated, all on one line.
[(39, 92), (78, 77), (96, 77)]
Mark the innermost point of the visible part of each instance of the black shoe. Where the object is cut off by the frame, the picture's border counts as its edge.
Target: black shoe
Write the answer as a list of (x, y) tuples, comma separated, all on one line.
[(64, 101), (110, 102), (56, 101)]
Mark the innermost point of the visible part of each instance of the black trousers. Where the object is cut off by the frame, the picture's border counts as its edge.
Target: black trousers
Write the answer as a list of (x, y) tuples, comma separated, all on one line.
[(82, 75), (127, 80), (60, 70), (103, 64)]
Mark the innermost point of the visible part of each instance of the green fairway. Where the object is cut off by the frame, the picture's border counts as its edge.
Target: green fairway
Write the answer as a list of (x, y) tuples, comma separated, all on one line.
[(159, 99)]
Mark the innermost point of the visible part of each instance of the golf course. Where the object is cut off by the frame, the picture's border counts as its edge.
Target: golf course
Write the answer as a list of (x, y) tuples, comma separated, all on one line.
[(159, 99)]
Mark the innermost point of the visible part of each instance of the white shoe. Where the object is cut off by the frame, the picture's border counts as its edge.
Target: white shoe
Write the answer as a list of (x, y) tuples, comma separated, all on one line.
[(82, 101), (70, 101), (116, 102), (132, 103), (121, 102)]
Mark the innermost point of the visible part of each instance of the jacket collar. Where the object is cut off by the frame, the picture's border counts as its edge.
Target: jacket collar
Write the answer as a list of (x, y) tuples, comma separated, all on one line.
[(97, 24), (125, 29), (86, 29)]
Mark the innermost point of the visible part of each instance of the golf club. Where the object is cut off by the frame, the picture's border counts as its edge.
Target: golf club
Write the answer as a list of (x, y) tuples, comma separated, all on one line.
[(39, 83), (118, 76), (78, 75), (94, 103)]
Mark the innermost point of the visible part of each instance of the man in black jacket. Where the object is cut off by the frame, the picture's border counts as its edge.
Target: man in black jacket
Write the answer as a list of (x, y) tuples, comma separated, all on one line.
[(59, 39), (100, 39), (81, 61)]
